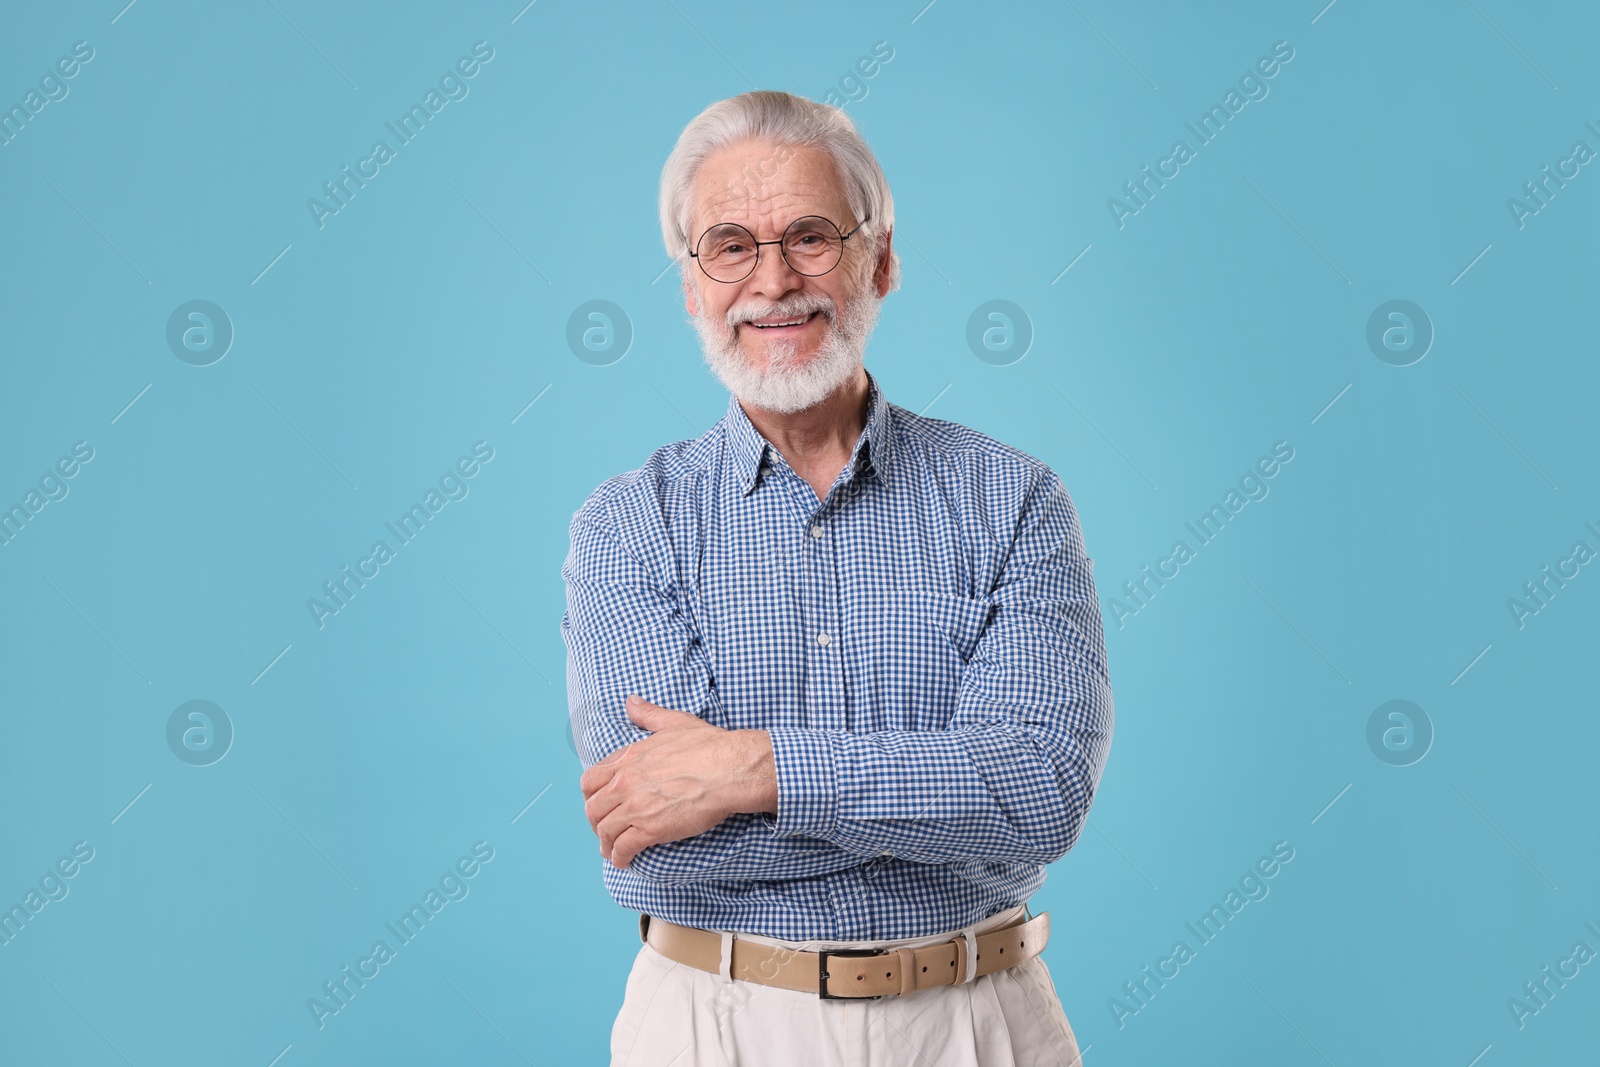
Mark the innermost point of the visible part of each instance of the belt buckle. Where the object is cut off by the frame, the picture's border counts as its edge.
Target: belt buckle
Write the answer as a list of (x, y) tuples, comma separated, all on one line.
[(822, 970)]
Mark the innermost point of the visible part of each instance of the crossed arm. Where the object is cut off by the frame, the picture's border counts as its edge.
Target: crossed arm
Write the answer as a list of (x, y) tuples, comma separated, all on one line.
[(677, 799)]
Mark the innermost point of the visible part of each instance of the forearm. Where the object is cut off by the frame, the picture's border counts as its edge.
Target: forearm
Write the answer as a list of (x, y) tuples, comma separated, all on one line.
[(983, 793), (742, 847), (1003, 785), (752, 775)]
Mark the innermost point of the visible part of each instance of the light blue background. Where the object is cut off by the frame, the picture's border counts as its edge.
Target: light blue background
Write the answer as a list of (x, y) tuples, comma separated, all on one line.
[(427, 314)]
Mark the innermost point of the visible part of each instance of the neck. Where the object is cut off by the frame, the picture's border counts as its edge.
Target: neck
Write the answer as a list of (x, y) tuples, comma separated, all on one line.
[(822, 431)]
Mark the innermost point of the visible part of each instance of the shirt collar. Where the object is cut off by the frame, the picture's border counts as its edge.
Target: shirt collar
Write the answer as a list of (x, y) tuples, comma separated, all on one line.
[(870, 455)]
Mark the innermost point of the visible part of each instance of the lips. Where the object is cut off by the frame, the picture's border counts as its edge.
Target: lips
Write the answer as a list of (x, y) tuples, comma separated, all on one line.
[(800, 325)]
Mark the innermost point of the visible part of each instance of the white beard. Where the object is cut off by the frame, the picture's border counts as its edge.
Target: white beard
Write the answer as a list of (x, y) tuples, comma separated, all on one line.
[(786, 386)]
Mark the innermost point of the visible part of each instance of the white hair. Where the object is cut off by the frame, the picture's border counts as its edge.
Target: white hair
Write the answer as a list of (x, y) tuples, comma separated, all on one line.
[(788, 121)]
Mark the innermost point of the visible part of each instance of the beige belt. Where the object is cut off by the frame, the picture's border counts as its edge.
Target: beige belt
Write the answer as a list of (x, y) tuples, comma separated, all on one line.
[(854, 974)]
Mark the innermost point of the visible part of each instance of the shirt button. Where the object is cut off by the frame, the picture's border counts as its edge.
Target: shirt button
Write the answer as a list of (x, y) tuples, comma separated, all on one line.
[(823, 639), (816, 531)]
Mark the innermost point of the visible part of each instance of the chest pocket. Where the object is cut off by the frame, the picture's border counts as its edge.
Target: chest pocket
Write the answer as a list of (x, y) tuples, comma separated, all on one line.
[(943, 625), (920, 642)]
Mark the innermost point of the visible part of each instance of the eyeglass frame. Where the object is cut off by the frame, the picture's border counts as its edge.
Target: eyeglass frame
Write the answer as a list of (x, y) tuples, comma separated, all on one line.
[(756, 262)]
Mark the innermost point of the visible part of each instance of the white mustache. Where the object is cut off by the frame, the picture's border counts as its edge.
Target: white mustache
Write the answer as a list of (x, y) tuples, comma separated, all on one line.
[(741, 317)]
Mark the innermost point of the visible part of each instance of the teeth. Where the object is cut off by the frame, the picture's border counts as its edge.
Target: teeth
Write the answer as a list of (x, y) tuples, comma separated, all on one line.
[(772, 325)]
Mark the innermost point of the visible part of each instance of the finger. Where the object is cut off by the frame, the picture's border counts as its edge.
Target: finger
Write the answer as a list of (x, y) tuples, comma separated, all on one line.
[(655, 717), (596, 777), (613, 826), (630, 844), (601, 805)]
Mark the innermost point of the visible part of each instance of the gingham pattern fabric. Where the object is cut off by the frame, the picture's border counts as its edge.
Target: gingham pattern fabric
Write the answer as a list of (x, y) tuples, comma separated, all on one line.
[(924, 646)]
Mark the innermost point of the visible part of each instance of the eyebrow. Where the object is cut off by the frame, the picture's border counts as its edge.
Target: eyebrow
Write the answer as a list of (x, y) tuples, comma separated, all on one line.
[(719, 225)]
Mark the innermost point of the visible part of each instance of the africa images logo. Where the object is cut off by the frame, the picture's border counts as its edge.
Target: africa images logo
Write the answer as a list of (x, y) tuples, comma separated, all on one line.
[(1252, 84), (338, 992), (452, 87)]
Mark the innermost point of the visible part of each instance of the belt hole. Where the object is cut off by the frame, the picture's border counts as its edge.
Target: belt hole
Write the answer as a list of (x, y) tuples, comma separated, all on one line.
[(925, 970), (1002, 952), (888, 974)]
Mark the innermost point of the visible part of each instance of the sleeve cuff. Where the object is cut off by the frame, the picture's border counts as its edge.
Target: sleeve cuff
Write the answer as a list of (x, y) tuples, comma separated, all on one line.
[(808, 793)]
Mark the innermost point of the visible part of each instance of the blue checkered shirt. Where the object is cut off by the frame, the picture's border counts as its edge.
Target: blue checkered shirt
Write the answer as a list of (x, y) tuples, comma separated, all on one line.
[(924, 646)]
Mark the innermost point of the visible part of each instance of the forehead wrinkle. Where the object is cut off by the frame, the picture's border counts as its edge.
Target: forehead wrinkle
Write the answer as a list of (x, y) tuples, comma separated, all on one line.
[(772, 211), (774, 202)]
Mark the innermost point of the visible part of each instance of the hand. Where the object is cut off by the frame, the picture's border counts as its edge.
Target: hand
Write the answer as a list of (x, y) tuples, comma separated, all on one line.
[(682, 780)]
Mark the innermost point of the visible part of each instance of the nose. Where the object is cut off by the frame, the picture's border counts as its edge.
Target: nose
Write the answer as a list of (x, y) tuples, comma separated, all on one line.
[(773, 278)]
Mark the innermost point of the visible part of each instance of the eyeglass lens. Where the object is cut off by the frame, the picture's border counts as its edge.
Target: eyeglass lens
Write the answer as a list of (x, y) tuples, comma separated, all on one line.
[(811, 245)]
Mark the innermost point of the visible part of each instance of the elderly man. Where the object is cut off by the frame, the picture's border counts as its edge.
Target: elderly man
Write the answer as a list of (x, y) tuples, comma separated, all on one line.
[(837, 672)]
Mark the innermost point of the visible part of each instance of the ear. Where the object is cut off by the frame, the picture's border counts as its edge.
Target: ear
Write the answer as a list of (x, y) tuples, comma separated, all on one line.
[(885, 266), (691, 299)]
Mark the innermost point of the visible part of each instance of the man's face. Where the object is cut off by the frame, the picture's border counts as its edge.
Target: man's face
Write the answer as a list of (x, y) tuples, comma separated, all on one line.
[(764, 187)]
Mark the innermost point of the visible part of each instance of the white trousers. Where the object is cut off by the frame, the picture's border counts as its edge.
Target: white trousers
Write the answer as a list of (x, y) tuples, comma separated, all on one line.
[(678, 1016)]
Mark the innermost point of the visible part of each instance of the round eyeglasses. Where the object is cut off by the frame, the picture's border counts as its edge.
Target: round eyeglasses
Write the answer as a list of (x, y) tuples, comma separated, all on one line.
[(811, 246)]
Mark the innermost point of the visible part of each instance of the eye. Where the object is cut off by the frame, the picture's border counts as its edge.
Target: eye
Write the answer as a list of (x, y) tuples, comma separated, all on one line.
[(728, 247)]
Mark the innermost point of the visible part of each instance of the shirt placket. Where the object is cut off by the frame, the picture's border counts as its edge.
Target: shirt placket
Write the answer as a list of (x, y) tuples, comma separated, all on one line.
[(821, 612), (826, 647)]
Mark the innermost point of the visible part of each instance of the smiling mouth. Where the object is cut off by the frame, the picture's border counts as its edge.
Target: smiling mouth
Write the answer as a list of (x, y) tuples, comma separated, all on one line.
[(779, 331)]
